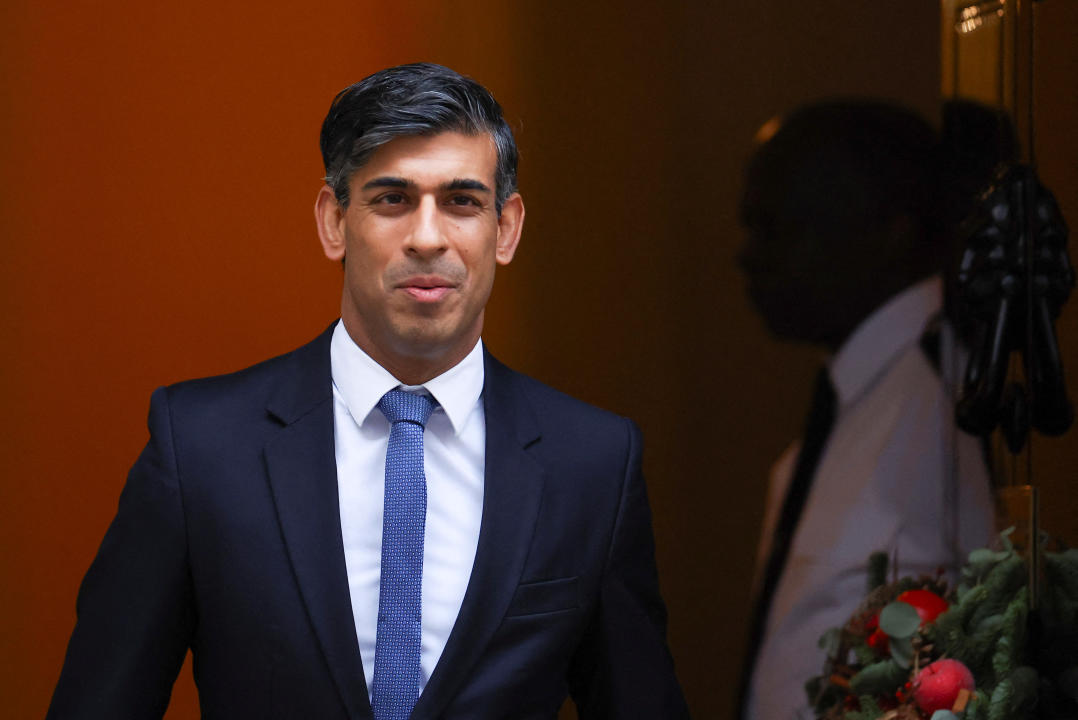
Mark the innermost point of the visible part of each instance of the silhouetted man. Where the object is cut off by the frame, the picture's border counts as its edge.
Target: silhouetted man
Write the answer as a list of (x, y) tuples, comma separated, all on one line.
[(842, 251)]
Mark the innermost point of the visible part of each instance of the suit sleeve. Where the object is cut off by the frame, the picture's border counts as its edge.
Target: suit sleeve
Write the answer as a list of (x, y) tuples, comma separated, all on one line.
[(623, 668), (135, 613)]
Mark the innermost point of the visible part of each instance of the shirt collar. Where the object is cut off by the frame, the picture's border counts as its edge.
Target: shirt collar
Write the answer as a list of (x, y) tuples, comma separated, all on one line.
[(881, 336), (362, 382)]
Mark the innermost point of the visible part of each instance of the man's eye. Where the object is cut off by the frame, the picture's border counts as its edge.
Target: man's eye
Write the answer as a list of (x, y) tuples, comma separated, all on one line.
[(463, 201), (391, 199)]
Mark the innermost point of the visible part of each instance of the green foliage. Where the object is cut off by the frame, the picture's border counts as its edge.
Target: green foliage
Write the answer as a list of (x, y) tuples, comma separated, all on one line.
[(982, 561), (864, 654), (1061, 570), (877, 570), (902, 652), (957, 617), (1014, 697), (977, 708), (823, 694), (1001, 583), (1012, 635), (880, 678), (830, 641), (986, 627), (952, 635), (899, 620), (1058, 658), (870, 709), (1060, 599)]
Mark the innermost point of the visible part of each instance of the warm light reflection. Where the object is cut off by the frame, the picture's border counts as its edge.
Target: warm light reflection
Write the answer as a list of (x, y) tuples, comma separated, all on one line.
[(972, 17), (766, 130)]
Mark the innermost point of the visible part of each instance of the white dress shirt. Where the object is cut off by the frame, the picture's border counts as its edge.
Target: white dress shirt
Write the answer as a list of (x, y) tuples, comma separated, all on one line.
[(454, 445), (895, 476)]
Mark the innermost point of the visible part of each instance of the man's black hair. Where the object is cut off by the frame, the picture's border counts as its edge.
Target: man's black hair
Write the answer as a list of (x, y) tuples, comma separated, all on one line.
[(415, 99), (889, 152)]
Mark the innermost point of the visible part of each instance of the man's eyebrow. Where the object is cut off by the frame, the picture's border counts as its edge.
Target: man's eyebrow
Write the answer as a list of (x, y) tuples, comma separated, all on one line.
[(465, 184), (387, 181)]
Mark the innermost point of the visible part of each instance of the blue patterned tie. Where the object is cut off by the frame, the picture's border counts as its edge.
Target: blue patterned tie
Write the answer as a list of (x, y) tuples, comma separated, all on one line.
[(397, 647)]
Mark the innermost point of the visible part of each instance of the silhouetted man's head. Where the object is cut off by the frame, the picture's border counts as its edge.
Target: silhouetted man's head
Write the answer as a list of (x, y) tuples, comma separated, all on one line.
[(838, 208)]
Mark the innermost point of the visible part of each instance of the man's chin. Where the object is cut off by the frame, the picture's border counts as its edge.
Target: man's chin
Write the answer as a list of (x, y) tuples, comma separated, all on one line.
[(785, 325), (430, 340)]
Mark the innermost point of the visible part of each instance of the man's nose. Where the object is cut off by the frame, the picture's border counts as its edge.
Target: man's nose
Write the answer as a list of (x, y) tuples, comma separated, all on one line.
[(428, 234)]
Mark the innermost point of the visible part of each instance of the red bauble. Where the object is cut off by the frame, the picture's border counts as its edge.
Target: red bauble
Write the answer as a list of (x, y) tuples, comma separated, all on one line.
[(879, 641), (874, 637), (928, 604), (937, 686)]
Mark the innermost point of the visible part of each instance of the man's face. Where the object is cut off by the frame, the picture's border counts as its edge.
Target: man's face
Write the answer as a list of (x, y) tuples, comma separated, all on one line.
[(781, 256), (805, 252), (420, 240)]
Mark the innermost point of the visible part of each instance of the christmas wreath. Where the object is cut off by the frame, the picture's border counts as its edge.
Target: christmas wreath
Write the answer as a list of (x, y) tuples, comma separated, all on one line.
[(918, 650)]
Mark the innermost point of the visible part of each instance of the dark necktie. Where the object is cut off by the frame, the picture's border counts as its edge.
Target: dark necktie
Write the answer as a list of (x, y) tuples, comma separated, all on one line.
[(821, 418), (397, 644)]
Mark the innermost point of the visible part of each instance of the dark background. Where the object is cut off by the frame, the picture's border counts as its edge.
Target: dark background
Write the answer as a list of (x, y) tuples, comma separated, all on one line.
[(159, 167)]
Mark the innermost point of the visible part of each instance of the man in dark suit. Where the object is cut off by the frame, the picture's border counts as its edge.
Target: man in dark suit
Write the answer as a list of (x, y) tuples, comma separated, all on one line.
[(386, 522)]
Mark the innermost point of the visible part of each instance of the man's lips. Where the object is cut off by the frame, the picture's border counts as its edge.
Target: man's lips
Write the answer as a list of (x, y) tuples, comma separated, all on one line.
[(426, 288)]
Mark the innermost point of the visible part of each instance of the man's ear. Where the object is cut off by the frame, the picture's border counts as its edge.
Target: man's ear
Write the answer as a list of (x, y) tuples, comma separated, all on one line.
[(329, 217), (510, 225)]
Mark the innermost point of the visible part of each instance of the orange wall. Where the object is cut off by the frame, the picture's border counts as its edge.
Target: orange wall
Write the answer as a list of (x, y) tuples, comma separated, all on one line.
[(160, 163)]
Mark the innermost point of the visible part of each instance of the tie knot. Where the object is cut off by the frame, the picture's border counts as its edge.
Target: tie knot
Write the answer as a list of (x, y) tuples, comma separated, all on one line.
[(401, 405)]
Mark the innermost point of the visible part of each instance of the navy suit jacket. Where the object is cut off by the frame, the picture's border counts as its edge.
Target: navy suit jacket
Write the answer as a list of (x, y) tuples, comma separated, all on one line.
[(228, 541)]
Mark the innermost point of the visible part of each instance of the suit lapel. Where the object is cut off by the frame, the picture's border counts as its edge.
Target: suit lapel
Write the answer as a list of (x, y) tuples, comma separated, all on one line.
[(302, 470), (512, 493)]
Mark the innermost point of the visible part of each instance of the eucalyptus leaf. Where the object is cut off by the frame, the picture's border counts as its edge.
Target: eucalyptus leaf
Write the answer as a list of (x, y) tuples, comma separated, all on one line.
[(1005, 538), (883, 677), (902, 651), (899, 620), (944, 715)]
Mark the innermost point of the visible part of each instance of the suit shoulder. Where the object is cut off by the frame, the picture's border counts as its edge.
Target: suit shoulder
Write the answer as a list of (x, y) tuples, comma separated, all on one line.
[(561, 413), (252, 385)]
